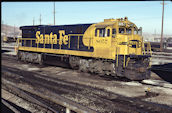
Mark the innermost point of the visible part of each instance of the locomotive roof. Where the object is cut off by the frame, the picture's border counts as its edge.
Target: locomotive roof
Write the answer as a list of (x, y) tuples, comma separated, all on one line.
[(105, 23), (36, 26)]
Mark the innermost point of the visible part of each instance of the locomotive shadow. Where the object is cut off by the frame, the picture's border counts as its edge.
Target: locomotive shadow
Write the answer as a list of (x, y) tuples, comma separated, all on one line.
[(57, 64), (4, 51), (113, 78), (163, 71), (53, 61)]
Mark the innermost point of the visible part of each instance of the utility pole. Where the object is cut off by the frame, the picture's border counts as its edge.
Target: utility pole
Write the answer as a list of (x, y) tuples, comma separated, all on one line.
[(14, 30), (161, 46), (4, 33), (54, 13), (161, 43), (154, 34), (33, 21), (40, 19), (6, 30)]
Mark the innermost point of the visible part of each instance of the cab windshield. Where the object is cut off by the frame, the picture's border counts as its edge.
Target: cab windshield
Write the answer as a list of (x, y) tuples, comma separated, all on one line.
[(135, 31), (128, 30), (123, 30)]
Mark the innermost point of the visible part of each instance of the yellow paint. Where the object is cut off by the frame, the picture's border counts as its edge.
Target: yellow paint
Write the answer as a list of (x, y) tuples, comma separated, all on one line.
[(57, 51), (63, 37), (51, 38)]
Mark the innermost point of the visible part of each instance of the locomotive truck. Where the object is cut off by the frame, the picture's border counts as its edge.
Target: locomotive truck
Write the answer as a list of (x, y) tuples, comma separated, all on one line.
[(113, 47)]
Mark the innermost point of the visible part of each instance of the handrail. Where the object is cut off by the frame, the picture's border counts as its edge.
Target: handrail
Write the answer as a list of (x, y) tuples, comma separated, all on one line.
[(78, 35), (143, 46), (116, 56), (148, 51), (46, 40), (150, 54), (75, 34), (17, 44)]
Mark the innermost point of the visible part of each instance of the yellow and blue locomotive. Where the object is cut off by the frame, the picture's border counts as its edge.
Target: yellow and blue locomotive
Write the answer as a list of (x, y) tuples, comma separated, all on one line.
[(113, 47)]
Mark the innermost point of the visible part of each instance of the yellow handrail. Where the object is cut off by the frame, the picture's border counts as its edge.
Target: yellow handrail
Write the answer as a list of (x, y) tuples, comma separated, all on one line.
[(117, 56), (45, 40), (147, 50), (75, 34), (143, 46), (124, 61)]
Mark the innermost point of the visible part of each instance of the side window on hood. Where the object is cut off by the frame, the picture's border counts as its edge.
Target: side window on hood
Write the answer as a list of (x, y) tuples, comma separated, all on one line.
[(113, 33), (108, 32), (101, 32), (96, 33)]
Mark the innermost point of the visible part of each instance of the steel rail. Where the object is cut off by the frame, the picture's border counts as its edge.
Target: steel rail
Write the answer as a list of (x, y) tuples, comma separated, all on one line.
[(24, 95), (9, 106), (68, 104)]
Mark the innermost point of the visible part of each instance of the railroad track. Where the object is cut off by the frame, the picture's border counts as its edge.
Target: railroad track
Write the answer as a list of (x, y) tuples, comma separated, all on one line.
[(26, 96), (9, 107), (54, 104), (93, 98)]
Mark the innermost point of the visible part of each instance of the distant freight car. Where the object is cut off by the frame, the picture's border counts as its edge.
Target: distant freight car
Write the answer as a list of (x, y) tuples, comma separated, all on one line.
[(155, 46), (166, 46), (169, 43), (9, 39), (113, 47)]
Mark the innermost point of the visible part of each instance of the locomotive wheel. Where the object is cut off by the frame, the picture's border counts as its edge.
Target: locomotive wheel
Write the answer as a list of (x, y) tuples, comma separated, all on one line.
[(92, 65), (74, 62), (19, 55), (30, 57), (41, 59)]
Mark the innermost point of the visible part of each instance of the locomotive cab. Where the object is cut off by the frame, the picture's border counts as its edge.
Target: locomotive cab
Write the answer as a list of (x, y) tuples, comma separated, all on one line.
[(120, 35)]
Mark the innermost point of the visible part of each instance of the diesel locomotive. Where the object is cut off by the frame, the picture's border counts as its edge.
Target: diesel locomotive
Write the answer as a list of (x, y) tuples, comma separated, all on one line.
[(113, 47)]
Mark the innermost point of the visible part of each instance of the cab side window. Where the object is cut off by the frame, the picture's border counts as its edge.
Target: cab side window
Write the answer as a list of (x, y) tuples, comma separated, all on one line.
[(96, 33), (108, 32), (102, 32), (113, 33)]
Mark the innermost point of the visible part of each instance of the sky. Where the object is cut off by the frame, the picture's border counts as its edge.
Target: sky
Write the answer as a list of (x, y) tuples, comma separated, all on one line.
[(145, 14)]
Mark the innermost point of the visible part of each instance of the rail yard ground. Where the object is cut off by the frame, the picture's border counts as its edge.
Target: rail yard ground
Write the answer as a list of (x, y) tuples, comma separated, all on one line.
[(37, 88)]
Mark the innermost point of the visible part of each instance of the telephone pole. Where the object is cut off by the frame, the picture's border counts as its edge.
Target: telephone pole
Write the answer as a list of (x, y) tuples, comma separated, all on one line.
[(40, 19), (33, 21), (5, 29), (54, 13), (14, 30), (154, 34), (161, 43)]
